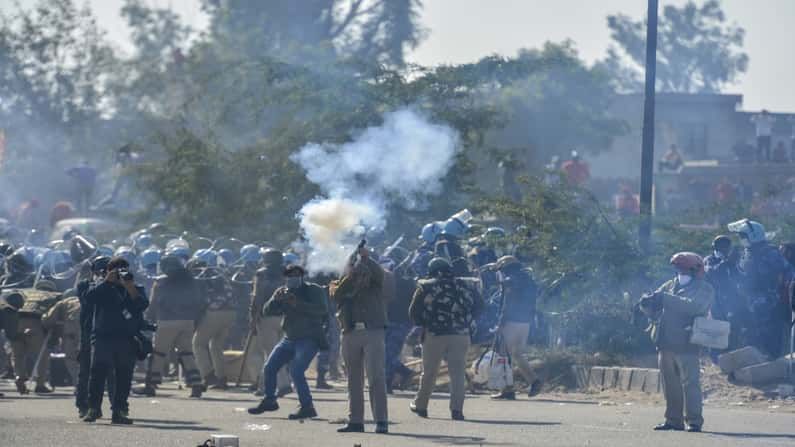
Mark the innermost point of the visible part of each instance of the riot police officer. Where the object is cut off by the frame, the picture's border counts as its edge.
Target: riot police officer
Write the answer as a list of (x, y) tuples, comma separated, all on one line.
[(175, 306)]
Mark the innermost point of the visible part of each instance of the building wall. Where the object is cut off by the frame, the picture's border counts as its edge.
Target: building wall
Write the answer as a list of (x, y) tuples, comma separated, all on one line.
[(703, 126)]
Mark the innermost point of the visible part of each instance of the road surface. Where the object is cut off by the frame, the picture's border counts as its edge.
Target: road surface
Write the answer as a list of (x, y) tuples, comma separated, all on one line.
[(172, 419)]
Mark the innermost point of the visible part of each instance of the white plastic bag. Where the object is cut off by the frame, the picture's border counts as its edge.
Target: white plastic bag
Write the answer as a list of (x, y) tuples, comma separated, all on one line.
[(710, 333), (493, 370), (500, 372)]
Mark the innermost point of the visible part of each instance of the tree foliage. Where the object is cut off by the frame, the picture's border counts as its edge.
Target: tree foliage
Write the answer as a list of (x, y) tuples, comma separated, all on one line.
[(697, 50)]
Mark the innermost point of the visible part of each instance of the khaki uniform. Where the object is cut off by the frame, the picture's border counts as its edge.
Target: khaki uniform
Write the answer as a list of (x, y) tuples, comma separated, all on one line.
[(31, 335), (362, 315), (209, 340), (25, 349), (170, 335), (445, 308), (678, 358), (514, 337), (64, 318), (212, 330), (174, 305)]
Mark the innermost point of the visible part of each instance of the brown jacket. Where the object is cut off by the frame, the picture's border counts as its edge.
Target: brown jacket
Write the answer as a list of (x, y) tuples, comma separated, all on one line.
[(366, 293), (681, 305)]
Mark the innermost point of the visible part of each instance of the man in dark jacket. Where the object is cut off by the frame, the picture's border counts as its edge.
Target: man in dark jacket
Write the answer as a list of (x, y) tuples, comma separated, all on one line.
[(118, 316), (518, 292), (302, 307), (722, 273)]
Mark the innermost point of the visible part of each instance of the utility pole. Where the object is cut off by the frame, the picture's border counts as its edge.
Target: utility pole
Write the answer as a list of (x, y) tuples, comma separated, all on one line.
[(647, 155)]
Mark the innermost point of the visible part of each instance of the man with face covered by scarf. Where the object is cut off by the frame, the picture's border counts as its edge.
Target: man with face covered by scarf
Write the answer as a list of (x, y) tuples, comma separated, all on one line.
[(302, 307)]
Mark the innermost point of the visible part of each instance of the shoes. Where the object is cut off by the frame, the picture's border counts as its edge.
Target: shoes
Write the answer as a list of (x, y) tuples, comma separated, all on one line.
[(351, 428), (457, 415), (21, 388), (210, 381), (321, 383), (265, 405), (382, 428), (303, 413), (694, 428), (196, 391), (284, 391), (42, 389), (92, 415), (145, 390), (423, 413), (220, 384), (505, 395), (120, 419), (82, 412), (535, 389), (668, 427)]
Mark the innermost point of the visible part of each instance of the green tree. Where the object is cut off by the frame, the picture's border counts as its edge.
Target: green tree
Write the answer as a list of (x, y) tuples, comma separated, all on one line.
[(697, 50)]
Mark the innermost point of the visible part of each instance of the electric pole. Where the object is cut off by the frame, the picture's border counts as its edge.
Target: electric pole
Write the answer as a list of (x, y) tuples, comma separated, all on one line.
[(647, 154)]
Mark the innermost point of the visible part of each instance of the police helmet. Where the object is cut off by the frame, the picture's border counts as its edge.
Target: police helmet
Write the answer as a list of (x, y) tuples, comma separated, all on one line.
[(127, 253), (180, 252), (430, 232), (171, 263), (291, 258), (150, 257), (100, 264), (439, 266), (207, 257), (250, 254), (748, 229), (271, 256), (143, 241), (227, 255), (507, 263), (455, 228)]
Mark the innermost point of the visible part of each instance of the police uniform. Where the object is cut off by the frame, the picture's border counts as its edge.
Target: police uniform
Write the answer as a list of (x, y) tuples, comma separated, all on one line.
[(267, 329), (32, 335), (212, 330), (64, 318), (763, 268), (446, 308), (175, 306), (398, 329)]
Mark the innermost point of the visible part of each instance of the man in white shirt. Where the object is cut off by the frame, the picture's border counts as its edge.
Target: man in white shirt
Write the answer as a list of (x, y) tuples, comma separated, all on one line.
[(764, 131)]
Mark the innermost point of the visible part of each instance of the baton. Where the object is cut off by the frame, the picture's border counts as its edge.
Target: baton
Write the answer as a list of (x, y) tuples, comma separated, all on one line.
[(35, 374), (246, 348)]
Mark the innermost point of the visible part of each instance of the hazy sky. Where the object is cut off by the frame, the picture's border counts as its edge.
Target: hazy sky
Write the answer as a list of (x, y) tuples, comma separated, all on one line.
[(465, 30)]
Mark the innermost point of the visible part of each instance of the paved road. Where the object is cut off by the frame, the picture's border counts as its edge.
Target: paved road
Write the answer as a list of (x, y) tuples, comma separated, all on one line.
[(171, 419)]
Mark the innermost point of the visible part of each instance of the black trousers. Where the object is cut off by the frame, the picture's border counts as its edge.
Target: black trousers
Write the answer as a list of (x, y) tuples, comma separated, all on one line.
[(111, 356), (83, 374)]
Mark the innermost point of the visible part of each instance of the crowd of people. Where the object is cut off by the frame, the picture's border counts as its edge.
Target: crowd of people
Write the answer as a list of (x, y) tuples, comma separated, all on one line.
[(99, 304)]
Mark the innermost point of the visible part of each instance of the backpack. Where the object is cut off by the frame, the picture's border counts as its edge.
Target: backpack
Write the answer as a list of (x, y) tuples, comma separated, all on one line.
[(38, 302)]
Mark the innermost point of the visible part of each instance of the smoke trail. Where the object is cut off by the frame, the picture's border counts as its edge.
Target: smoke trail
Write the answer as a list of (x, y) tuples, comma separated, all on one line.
[(404, 159)]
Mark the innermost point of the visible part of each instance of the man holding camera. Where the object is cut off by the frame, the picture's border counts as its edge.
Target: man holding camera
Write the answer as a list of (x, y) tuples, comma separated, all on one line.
[(672, 309), (118, 316), (302, 307)]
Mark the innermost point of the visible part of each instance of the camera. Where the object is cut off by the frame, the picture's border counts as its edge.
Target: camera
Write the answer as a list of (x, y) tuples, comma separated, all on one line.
[(125, 275)]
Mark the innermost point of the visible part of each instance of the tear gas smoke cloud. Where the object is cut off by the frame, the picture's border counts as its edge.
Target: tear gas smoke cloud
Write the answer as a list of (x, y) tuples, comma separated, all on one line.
[(404, 159)]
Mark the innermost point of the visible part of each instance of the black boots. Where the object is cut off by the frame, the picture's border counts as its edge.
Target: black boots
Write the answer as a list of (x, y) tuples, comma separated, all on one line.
[(264, 405), (351, 428), (303, 413)]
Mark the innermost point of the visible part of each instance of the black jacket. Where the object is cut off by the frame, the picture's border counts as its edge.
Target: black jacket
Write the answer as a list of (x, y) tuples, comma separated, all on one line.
[(116, 314)]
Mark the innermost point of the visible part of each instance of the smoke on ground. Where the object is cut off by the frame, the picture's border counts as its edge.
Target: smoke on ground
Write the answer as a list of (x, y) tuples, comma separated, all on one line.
[(403, 160)]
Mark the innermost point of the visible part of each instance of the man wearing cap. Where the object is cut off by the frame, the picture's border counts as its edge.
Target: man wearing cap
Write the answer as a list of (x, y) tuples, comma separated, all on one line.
[(672, 309), (302, 307)]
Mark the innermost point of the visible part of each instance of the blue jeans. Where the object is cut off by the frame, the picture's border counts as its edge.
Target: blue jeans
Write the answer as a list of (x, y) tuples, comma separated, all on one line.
[(299, 354)]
